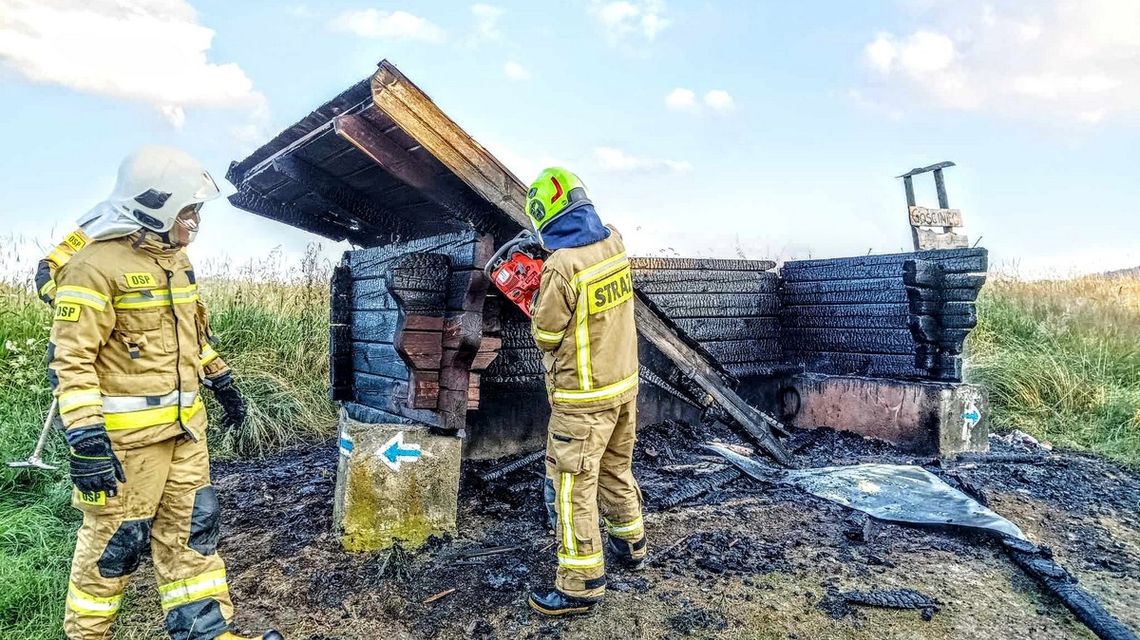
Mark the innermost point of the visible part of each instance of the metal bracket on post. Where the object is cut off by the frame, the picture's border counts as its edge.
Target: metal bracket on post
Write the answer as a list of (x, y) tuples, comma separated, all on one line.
[(923, 219)]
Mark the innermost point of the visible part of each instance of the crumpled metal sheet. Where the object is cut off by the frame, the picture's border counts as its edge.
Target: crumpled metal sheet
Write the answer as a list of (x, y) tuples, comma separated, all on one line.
[(898, 493)]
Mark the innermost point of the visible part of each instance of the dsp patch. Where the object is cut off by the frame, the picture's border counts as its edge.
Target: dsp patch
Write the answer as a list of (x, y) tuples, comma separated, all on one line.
[(67, 312), (76, 240), (140, 280), (93, 498), (610, 291)]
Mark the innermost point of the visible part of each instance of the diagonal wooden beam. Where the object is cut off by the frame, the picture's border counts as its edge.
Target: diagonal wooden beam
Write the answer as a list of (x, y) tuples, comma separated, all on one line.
[(412, 171), (414, 112)]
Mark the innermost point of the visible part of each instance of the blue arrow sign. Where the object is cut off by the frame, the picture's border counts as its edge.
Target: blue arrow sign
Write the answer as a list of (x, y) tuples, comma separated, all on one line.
[(970, 418), (394, 451)]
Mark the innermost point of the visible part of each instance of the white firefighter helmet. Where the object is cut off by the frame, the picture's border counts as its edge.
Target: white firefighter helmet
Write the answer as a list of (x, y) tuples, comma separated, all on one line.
[(156, 183)]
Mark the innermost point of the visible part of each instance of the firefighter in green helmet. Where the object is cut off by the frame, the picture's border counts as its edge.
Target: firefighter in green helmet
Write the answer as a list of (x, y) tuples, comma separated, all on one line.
[(584, 324)]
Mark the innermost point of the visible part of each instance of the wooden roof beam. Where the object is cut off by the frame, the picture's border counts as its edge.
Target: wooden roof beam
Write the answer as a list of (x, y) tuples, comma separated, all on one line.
[(412, 171)]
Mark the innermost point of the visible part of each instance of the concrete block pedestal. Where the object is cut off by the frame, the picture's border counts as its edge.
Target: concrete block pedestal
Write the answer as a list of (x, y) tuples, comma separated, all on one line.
[(932, 418), (395, 483)]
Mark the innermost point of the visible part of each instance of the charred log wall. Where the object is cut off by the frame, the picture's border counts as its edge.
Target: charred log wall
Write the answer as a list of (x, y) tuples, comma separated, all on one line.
[(903, 315), (408, 330), (730, 308)]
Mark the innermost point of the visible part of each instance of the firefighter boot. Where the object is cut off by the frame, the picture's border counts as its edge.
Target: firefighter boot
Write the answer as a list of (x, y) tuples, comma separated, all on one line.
[(630, 554), (557, 603), (272, 634)]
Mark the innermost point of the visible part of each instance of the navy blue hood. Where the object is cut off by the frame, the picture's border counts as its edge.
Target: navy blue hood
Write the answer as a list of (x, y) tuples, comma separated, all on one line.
[(578, 228)]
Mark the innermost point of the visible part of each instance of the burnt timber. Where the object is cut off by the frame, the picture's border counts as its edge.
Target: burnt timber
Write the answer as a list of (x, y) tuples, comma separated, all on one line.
[(418, 337)]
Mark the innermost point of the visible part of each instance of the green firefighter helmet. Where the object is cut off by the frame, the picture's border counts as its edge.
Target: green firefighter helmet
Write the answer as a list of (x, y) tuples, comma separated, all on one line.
[(554, 193)]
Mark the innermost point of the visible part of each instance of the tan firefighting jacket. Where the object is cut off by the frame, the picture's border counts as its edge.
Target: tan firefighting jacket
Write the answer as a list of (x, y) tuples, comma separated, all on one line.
[(130, 342), (583, 322)]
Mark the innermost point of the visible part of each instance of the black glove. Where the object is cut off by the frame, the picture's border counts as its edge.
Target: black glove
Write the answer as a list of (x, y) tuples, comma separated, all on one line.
[(94, 466), (227, 394)]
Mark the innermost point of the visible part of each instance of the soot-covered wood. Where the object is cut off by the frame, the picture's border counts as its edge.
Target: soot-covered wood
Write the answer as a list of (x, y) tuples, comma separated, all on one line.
[(417, 327), (900, 315)]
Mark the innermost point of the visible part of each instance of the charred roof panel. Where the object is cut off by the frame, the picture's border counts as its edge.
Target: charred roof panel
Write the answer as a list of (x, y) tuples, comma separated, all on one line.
[(348, 171)]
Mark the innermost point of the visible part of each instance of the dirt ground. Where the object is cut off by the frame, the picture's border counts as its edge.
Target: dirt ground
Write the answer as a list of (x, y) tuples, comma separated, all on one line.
[(743, 561)]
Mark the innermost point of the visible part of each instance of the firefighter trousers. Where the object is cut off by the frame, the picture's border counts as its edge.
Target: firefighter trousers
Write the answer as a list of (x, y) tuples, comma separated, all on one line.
[(589, 469), (168, 504)]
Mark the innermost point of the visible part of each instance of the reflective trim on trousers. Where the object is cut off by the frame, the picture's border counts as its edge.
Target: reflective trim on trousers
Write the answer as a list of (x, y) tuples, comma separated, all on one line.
[(86, 604), (180, 592), (569, 561), (566, 513), (626, 530)]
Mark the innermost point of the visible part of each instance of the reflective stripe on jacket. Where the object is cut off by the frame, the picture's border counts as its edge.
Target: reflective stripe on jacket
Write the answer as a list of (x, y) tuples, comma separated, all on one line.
[(583, 321), (130, 342)]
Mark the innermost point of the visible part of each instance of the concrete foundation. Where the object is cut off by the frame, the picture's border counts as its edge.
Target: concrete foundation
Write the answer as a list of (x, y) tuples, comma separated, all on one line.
[(395, 483), (923, 417)]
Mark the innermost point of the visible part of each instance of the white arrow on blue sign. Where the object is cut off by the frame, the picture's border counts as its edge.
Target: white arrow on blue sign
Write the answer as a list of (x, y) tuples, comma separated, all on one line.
[(394, 451)]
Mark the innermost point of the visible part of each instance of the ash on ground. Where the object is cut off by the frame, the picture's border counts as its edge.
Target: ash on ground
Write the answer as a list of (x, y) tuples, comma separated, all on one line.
[(729, 556)]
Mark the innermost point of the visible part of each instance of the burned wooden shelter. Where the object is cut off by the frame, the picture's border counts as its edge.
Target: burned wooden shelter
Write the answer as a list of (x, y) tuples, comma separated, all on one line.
[(419, 339)]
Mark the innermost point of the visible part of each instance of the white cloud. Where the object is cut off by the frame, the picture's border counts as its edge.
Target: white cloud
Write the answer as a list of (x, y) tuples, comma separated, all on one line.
[(613, 159), (681, 99), (391, 25), (1055, 60), (719, 100), (148, 51), (626, 22), (487, 19), (516, 71)]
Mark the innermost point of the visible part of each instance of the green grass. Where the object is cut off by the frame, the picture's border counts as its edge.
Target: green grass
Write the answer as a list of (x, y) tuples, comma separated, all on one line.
[(1061, 360), (275, 336)]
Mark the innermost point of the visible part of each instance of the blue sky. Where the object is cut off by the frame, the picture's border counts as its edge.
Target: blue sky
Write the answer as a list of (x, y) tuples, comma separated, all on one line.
[(762, 129)]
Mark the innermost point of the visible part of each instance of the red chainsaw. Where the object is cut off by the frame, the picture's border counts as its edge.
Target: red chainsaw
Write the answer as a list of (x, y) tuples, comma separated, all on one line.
[(516, 269)]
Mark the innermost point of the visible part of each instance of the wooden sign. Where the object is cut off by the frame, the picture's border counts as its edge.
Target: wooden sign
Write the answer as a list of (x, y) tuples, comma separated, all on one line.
[(928, 239), (924, 217)]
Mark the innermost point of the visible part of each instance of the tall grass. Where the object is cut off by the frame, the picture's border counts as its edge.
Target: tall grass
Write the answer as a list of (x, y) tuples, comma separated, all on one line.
[(271, 319), (1062, 361)]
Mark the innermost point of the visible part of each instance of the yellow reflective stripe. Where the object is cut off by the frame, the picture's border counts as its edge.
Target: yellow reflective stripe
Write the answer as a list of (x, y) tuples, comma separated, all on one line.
[(621, 529), (149, 417), (548, 336), (582, 313), (48, 287), (590, 272), (566, 513), (86, 604), (582, 337), (180, 592), (156, 298), (601, 393), (72, 400), (82, 295), (580, 562), (207, 355), (58, 257)]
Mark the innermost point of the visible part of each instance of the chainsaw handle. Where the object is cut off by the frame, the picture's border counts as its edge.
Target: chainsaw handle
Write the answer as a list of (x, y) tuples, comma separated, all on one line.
[(497, 258)]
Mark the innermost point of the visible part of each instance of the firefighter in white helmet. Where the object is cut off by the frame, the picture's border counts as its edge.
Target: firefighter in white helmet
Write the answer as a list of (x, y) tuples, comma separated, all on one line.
[(130, 345)]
